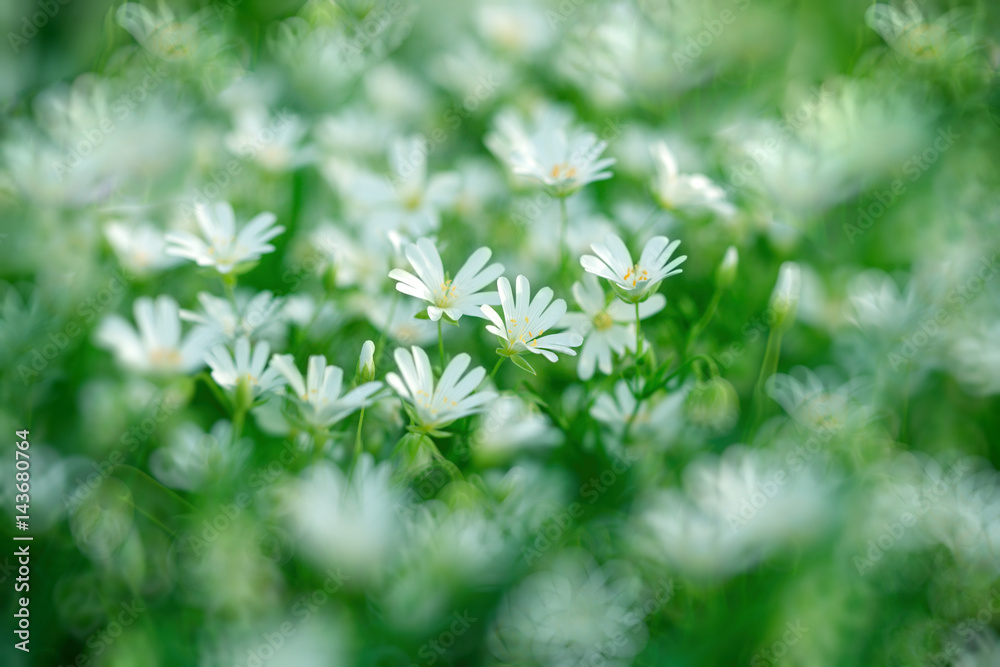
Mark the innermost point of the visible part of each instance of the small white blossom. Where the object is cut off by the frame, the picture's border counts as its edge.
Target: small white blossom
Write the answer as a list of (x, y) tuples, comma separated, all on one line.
[(634, 282), (140, 248), (438, 404), (604, 326), (318, 395), (677, 191), (452, 297), (222, 247), (525, 321), (157, 346), (229, 371), (192, 459)]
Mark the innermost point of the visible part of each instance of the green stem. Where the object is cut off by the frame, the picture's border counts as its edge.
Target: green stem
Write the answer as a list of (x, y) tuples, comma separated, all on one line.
[(497, 367), (767, 369), (701, 324), (441, 345), (563, 250), (229, 282), (638, 347), (357, 440)]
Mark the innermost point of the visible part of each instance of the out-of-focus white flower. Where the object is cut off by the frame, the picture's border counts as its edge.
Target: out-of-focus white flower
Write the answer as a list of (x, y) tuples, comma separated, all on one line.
[(974, 359), (452, 297), (157, 346), (273, 142), (574, 613), (222, 247), (876, 306), (519, 27), (634, 282), (658, 420), (816, 400), (404, 328), (141, 248), (318, 395), (735, 510), (350, 522), (913, 37), (225, 320), (192, 459), (242, 370), (603, 325), (406, 200), (359, 260), (525, 321), (509, 425), (356, 131), (437, 405), (562, 158), (677, 191), (162, 34)]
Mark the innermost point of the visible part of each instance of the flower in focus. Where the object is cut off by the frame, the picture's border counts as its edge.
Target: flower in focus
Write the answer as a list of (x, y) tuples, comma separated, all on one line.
[(525, 320), (243, 371), (452, 297), (318, 395), (222, 247), (157, 346), (561, 158), (452, 397), (676, 191), (633, 282), (604, 326)]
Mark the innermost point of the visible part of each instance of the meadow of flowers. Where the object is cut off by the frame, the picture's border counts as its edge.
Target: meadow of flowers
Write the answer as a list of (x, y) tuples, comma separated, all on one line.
[(560, 333)]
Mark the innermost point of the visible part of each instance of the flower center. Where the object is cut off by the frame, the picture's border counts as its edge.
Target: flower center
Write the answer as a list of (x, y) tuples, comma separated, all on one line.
[(411, 199), (635, 275), (603, 321), (563, 171), (164, 357), (446, 295)]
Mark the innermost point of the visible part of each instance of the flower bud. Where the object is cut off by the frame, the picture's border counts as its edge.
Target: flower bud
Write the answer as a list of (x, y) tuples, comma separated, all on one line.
[(713, 404), (366, 362), (725, 275), (785, 297)]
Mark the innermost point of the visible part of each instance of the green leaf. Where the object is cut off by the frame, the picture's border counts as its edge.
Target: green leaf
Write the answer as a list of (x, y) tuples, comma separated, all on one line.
[(422, 315), (522, 363), (448, 320)]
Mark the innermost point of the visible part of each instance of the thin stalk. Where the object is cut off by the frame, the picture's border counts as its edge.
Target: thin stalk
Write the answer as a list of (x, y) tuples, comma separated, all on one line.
[(563, 224), (497, 367), (767, 369), (441, 345), (702, 323), (357, 440)]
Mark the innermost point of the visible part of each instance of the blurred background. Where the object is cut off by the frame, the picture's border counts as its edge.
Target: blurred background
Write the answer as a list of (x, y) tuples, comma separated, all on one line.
[(811, 480)]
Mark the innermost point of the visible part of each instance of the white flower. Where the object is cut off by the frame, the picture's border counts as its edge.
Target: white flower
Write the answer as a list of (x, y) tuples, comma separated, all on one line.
[(157, 346), (272, 142), (555, 155), (659, 419), (222, 246), (440, 404), (602, 325), (140, 247), (230, 371), (678, 191), (525, 320), (452, 297), (816, 401), (915, 38), (346, 521), (319, 394), (633, 282), (192, 458), (228, 321), (574, 613), (876, 306), (974, 358), (509, 425)]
